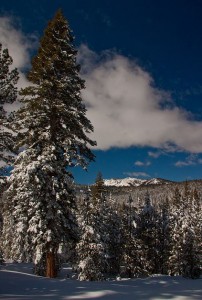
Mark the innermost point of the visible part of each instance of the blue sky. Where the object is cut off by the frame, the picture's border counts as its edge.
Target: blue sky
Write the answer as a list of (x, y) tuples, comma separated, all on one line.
[(142, 63)]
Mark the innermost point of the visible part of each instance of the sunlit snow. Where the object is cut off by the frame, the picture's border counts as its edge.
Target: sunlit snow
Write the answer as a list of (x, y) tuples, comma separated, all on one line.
[(18, 282)]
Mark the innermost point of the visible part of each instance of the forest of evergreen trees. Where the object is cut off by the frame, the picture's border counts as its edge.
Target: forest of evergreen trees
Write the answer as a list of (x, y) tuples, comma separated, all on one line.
[(42, 220), (138, 239)]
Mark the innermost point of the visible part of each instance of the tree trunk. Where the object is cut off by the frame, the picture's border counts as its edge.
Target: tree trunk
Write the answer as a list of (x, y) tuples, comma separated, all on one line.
[(50, 265)]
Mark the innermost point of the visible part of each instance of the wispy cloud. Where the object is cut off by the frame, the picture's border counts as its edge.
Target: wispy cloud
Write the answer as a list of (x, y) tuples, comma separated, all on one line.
[(127, 110), (190, 160), (168, 149), (142, 163), (155, 154), (137, 174)]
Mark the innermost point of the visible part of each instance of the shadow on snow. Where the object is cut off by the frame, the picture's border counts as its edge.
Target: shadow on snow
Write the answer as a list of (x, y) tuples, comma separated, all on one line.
[(17, 282)]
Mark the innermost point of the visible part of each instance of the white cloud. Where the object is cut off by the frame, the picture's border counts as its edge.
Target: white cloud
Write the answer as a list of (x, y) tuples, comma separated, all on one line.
[(87, 58), (167, 149), (137, 174), (18, 45), (15, 41), (142, 163), (155, 154), (123, 104), (127, 110), (190, 160)]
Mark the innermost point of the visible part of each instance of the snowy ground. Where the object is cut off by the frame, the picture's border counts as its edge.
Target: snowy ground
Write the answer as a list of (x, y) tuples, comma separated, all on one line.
[(18, 282)]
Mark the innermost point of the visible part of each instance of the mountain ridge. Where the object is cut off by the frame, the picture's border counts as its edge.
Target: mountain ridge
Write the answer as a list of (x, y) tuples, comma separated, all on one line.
[(135, 182)]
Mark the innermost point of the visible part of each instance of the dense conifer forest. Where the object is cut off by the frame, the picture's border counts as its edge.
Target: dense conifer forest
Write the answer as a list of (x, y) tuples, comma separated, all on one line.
[(46, 219)]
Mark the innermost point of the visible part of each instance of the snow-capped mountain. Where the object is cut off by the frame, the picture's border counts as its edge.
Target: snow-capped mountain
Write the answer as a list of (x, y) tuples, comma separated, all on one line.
[(124, 182), (157, 181), (129, 181), (3, 179)]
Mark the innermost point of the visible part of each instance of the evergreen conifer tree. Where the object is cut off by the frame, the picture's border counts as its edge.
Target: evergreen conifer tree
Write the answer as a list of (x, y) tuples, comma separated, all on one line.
[(180, 222), (108, 226), (53, 130), (90, 249), (100, 240), (192, 236), (164, 224), (148, 232), (177, 219), (110, 233), (8, 94), (133, 251), (98, 189), (191, 253)]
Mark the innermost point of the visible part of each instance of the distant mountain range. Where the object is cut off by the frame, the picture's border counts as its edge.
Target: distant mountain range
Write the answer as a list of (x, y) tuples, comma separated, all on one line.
[(129, 181)]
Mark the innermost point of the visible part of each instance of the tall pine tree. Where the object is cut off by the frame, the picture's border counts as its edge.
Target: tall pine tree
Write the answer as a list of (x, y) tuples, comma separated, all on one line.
[(54, 128)]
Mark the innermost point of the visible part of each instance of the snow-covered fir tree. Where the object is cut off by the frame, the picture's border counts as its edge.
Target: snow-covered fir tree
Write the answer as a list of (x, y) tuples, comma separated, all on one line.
[(177, 221), (186, 233), (53, 132), (8, 94), (109, 225), (164, 225), (100, 240), (98, 188), (191, 253), (192, 236), (176, 216), (133, 252), (110, 233), (148, 232), (90, 249)]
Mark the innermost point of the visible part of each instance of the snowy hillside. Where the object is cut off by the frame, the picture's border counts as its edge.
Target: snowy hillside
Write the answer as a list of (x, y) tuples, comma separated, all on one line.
[(18, 282), (134, 182)]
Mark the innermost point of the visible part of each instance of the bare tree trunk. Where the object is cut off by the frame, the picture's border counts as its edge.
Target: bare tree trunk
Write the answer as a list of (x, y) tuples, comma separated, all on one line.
[(50, 265)]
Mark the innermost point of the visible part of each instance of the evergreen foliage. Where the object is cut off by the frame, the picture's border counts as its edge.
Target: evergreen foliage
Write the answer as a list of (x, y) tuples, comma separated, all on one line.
[(8, 94), (53, 131), (140, 241), (100, 241), (192, 235), (39, 209), (191, 255), (98, 189), (148, 232), (112, 237), (133, 251), (186, 239), (165, 238), (90, 249)]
